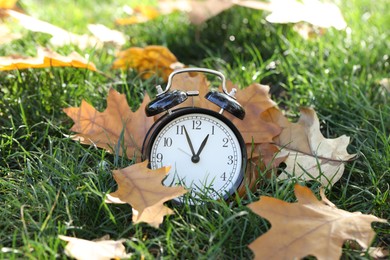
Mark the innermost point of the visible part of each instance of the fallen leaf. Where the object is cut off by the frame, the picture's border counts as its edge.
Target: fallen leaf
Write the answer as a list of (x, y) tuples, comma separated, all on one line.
[(308, 227), (107, 35), (139, 14), (309, 154), (60, 36), (149, 61), (142, 188), (255, 99), (45, 59), (82, 249), (106, 129), (315, 12)]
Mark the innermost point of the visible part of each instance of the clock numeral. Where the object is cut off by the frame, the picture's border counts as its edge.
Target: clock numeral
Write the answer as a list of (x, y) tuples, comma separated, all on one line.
[(230, 160), (225, 142), (167, 142), (159, 157), (179, 129), (212, 130), (223, 176), (196, 124)]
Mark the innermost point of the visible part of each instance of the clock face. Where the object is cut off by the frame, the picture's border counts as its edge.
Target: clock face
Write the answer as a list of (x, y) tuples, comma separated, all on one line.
[(205, 152)]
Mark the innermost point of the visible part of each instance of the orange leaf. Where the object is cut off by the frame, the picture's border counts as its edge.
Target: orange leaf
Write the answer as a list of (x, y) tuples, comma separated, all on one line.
[(45, 59), (148, 61), (105, 129), (308, 227), (307, 149), (142, 188)]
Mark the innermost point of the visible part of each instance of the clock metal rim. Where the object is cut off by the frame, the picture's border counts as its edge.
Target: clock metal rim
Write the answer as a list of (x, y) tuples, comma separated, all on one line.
[(166, 119)]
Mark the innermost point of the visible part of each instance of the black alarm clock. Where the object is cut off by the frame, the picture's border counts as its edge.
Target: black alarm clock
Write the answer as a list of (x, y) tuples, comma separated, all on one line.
[(204, 149)]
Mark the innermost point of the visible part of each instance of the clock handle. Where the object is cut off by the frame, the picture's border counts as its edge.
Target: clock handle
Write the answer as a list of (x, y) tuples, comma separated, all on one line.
[(225, 100), (210, 71)]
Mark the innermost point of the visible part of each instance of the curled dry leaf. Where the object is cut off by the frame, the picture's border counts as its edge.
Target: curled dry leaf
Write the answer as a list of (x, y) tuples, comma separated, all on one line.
[(149, 61), (309, 154), (142, 188), (82, 249), (308, 227), (45, 59), (114, 128)]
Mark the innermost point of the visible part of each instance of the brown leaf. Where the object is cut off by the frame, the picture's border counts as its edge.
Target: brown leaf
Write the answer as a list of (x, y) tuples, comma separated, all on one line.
[(255, 100), (45, 59), (308, 227), (105, 129), (307, 148), (148, 61), (142, 188), (101, 250)]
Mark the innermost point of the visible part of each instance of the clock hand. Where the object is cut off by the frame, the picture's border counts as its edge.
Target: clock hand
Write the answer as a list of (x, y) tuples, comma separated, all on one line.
[(202, 145), (189, 141)]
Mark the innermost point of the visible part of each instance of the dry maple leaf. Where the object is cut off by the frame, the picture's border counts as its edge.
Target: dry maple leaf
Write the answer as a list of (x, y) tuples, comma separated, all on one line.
[(142, 188), (148, 61), (308, 227), (82, 249), (309, 154), (106, 129), (45, 59)]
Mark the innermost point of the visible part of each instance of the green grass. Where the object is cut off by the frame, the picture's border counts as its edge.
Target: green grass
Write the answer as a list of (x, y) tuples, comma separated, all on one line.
[(50, 185)]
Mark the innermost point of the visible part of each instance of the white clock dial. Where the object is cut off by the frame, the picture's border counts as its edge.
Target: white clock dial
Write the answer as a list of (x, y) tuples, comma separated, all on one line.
[(204, 153)]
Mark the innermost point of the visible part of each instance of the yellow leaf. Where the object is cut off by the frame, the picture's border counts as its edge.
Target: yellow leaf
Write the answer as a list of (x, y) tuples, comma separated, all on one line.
[(105, 129), (7, 4), (45, 59), (139, 14), (142, 188), (148, 61), (308, 227)]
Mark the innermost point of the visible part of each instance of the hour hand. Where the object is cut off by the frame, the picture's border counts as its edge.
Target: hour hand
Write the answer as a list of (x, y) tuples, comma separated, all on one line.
[(189, 141)]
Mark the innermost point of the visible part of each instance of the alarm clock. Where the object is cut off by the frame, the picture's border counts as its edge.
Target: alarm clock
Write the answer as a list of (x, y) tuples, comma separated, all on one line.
[(204, 149)]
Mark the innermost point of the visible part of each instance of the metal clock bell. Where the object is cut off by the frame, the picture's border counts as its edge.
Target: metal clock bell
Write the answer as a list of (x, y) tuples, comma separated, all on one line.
[(205, 150)]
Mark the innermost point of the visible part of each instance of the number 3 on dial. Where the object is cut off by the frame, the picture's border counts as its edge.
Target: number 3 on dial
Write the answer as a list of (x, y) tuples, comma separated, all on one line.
[(204, 149)]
